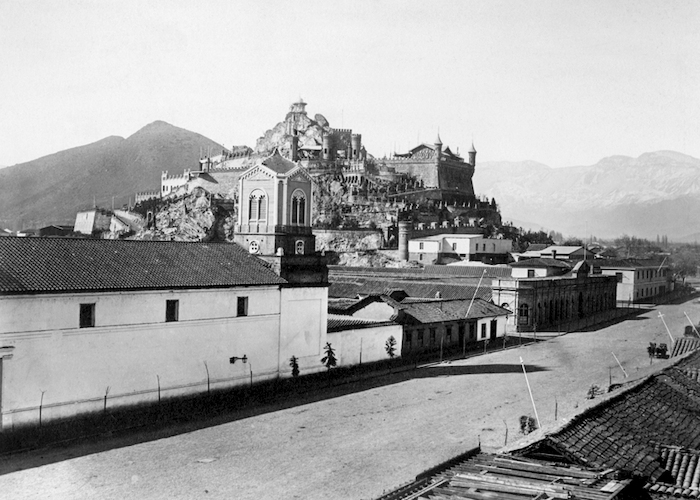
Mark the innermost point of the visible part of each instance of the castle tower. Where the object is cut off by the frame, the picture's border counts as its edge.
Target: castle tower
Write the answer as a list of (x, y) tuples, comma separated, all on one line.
[(295, 116), (438, 146), (404, 229), (472, 155), (295, 146), (356, 144), (326, 152)]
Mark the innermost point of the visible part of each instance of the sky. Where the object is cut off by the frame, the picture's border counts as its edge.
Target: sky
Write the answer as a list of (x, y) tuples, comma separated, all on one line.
[(563, 82)]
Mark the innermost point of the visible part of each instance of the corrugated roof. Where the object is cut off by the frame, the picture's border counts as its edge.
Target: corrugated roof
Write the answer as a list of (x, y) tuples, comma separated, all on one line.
[(41, 265), (542, 262), (428, 271), (629, 263), (562, 249), (486, 476)]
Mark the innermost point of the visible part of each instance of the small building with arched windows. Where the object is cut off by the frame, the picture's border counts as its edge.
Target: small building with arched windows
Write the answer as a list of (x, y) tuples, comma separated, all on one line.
[(549, 294)]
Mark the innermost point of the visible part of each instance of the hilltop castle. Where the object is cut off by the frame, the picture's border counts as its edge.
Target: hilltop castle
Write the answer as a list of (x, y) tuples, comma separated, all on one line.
[(428, 175)]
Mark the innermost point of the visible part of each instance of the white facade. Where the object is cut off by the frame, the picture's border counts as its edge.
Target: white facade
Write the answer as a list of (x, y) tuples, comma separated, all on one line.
[(170, 184), (88, 221), (365, 345), (463, 245), (133, 355), (641, 283), (484, 327)]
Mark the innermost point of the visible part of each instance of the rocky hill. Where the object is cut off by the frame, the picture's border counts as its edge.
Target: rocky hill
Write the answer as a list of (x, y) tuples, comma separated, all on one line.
[(656, 193), (51, 189)]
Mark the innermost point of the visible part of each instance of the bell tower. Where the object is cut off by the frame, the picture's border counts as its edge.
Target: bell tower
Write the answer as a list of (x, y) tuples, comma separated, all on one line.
[(274, 219)]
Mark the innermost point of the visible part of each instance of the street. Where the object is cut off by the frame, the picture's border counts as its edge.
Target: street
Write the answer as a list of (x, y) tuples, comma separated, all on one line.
[(361, 443)]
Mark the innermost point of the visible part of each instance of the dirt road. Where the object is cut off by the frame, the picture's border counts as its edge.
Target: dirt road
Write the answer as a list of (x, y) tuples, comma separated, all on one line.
[(357, 445)]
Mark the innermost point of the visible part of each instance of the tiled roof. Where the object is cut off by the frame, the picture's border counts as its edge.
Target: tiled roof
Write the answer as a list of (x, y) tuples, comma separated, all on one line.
[(278, 163), (337, 306), (337, 322), (684, 345), (684, 466), (436, 311), (43, 265), (621, 432)]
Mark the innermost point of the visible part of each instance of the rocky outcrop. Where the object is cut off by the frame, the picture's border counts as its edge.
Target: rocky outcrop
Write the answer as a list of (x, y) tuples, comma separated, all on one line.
[(191, 218), (309, 131)]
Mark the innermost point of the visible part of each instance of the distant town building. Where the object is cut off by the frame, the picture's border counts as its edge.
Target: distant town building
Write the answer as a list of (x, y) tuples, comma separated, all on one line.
[(471, 247), (638, 280), (431, 323), (552, 294)]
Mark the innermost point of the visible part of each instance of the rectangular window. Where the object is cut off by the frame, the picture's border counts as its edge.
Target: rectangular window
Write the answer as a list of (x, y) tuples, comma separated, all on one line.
[(432, 336), (454, 246), (87, 315), (483, 331), (419, 334), (420, 246), (172, 309), (242, 308), (448, 334), (530, 273), (408, 340)]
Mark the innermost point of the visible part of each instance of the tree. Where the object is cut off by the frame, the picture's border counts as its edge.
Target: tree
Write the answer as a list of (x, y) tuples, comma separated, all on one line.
[(527, 424), (685, 262), (329, 360), (390, 347), (294, 364)]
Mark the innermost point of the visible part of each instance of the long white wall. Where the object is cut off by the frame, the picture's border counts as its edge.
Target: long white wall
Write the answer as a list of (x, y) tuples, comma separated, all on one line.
[(365, 344), (131, 349)]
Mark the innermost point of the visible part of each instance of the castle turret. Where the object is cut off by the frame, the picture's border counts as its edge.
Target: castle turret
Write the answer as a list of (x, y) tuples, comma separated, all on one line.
[(438, 146), (356, 144), (472, 155), (326, 152)]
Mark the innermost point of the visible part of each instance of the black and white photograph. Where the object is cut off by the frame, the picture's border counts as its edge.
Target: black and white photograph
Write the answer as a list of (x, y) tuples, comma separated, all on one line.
[(350, 250)]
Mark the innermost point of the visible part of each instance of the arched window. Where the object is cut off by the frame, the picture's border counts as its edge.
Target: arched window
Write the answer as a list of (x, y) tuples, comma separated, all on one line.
[(257, 206), (524, 314), (298, 207), (299, 247)]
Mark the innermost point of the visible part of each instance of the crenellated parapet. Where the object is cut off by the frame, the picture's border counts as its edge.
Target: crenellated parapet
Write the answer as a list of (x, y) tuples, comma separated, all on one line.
[(145, 196)]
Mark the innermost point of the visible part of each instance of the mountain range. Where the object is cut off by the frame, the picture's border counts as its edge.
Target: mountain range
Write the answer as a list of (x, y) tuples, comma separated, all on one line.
[(51, 189), (655, 194)]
